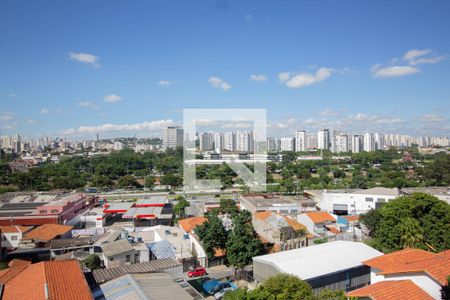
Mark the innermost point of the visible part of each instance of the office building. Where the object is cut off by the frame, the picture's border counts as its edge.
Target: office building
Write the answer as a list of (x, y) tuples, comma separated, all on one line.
[(172, 137), (300, 141)]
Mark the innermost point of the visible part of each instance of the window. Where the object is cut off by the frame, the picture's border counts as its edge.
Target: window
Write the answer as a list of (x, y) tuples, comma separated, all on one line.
[(127, 258), (136, 257), (54, 211), (43, 211), (14, 238), (382, 200), (369, 199)]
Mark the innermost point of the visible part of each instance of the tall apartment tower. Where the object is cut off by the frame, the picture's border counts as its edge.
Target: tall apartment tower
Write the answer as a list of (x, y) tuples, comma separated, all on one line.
[(357, 143), (340, 143), (300, 141), (379, 141), (229, 141), (172, 137), (323, 139), (369, 144), (244, 141), (206, 140), (287, 144), (272, 144)]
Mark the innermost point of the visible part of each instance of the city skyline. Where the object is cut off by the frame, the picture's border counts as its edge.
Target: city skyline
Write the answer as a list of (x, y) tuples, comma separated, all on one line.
[(103, 77)]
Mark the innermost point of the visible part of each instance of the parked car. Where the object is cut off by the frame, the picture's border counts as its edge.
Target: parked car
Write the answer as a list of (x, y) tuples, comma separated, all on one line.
[(219, 295), (200, 271)]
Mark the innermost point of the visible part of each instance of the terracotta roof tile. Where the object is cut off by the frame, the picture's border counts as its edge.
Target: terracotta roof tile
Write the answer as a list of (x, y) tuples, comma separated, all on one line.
[(190, 223), (320, 216), (410, 260), (262, 215), (10, 273), (62, 279), (47, 232), (18, 263), (391, 290), (294, 224), (13, 229), (351, 218)]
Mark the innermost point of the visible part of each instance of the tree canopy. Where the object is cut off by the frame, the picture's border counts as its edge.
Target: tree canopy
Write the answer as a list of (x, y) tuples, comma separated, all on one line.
[(419, 220)]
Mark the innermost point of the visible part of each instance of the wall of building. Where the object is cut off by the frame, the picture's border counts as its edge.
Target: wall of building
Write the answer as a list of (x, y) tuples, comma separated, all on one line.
[(262, 270), (346, 280), (120, 259), (11, 239), (355, 203)]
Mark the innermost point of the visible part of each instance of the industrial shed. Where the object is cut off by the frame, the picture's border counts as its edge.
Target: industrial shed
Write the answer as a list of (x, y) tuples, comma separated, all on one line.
[(334, 265)]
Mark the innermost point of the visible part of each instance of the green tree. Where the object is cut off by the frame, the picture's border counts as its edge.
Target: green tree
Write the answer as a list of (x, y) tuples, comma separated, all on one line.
[(128, 181), (171, 179), (284, 286), (212, 234), (228, 206), (150, 182), (393, 229), (243, 243), (371, 219), (180, 208), (359, 182), (92, 262), (411, 233)]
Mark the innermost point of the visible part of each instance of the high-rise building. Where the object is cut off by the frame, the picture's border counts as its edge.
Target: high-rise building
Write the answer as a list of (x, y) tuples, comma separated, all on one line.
[(244, 141), (379, 141), (311, 141), (300, 141), (369, 144), (206, 140), (340, 143), (323, 139), (218, 141), (172, 137), (229, 141), (287, 144), (272, 144), (357, 143)]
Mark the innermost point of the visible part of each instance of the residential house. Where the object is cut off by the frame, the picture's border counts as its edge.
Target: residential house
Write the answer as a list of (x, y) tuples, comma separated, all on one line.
[(319, 222), (281, 231), (118, 253), (12, 235), (412, 269), (42, 236)]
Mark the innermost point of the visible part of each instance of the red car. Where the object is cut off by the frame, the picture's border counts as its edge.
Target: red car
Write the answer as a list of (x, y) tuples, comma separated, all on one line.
[(200, 271)]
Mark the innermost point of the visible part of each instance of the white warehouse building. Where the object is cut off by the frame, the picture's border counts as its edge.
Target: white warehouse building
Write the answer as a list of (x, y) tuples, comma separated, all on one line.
[(352, 202)]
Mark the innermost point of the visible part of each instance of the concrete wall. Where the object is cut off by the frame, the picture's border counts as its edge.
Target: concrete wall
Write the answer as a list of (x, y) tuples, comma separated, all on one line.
[(7, 239), (119, 259), (361, 205)]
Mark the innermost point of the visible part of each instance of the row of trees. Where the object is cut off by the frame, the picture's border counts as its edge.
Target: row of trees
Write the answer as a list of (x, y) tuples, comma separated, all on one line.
[(419, 221), (126, 169)]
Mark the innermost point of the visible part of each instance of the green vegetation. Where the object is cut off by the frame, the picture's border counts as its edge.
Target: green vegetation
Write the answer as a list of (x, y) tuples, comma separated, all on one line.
[(283, 287), (92, 262), (179, 208), (127, 169), (240, 243), (419, 221)]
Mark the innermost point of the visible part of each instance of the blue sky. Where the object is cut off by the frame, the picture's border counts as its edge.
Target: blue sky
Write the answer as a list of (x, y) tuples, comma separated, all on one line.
[(70, 67)]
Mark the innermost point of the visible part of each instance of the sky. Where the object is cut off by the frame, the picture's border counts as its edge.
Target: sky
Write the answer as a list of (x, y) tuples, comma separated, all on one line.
[(77, 68)]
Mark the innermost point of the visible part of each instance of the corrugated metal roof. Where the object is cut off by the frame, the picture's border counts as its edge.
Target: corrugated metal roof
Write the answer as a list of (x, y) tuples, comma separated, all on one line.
[(153, 266), (162, 249), (156, 286)]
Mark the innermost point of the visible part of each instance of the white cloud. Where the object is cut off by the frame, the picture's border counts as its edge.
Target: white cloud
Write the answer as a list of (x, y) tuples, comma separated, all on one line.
[(393, 71), (219, 83), (328, 112), (411, 59), (88, 104), (112, 98), (432, 118), (415, 57), (85, 58), (6, 116), (164, 82), (298, 80), (260, 77), (44, 111), (148, 126), (31, 121)]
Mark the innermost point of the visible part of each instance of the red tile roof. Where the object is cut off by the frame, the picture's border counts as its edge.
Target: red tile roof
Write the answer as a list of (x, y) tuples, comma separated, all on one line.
[(409, 260), (351, 218), (8, 274), (263, 215), (18, 263), (190, 223), (47, 232), (14, 229), (391, 290), (63, 280), (320, 216)]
